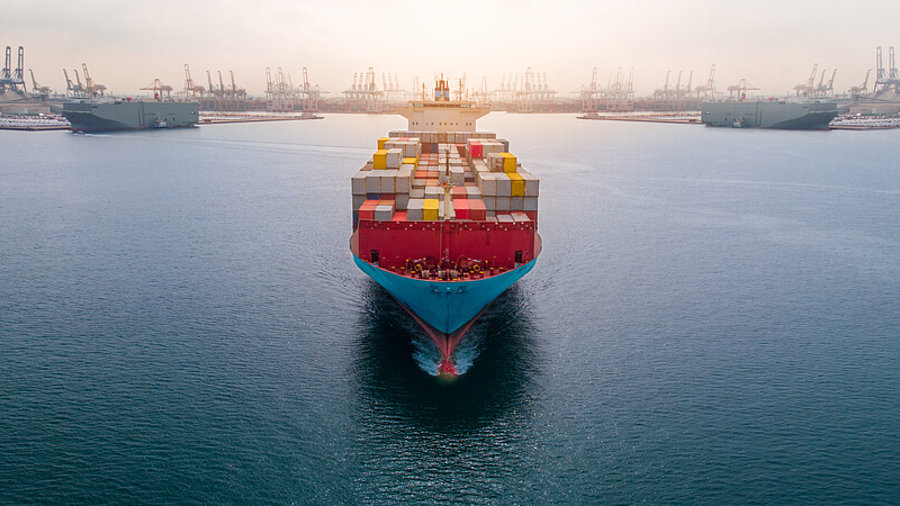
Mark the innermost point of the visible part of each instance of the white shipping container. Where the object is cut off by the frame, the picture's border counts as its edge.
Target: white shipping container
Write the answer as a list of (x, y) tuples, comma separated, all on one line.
[(417, 193), (504, 185), (531, 204), (502, 203), (488, 183), (401, 201), (388, 177), (520, 217), (434, 192), (358, 183), (393, 158), (474, 192), (415, 209), (358, 201), (419, 184), (495, 162), (516, 204), (457, 176), (373, 181), (490, 202), (384, 213), (505, 218), (402, 183)]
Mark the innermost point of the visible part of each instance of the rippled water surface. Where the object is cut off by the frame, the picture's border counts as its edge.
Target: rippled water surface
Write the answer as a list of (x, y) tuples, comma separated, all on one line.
[(715, 318)]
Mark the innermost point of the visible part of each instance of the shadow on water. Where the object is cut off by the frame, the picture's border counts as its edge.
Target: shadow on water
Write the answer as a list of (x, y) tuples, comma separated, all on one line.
[(500, 380)]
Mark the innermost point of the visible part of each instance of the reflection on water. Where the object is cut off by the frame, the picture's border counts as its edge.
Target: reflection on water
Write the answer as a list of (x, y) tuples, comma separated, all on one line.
[(498, 352)]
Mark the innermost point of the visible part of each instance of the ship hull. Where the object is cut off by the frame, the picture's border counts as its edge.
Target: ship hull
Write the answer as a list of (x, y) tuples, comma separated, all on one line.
[(94, 116), (769, 114), (445, 306)]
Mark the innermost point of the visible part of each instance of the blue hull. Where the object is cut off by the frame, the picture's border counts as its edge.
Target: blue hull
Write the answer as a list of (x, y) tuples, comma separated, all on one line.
[(445, 305)]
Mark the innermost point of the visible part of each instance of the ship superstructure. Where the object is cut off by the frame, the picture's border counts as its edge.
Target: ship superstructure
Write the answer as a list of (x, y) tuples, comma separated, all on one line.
[(444, 217)]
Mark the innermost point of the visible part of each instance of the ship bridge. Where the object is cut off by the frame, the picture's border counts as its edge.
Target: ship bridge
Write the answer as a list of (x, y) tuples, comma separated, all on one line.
[(442, 114)]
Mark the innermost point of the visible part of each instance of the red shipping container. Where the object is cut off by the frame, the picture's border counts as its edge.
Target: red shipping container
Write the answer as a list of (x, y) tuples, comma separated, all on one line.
[(400, 216), (461, 206), (367, 210), (459, 192), (476, 149), (477, 210)]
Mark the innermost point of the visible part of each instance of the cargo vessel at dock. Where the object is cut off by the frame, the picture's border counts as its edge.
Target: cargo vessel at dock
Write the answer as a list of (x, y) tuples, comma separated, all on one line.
[(102, 114), (444, 218), (784, 114)]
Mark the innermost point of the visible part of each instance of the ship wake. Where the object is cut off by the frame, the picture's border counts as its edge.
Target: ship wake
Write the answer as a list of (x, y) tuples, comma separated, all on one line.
[(444, 355)]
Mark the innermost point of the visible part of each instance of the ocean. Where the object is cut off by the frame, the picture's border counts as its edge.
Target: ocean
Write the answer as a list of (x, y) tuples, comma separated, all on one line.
[(714, 318)]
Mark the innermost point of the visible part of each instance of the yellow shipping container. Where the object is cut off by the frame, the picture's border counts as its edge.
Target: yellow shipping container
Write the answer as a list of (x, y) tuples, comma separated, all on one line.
[(518, 185), (380, 159), (509, 162), (430, 211), (412, 159), (381, 141)]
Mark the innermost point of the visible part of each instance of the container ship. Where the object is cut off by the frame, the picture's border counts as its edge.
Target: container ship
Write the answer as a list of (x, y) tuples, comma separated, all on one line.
[(444, 218), (786, 114), (100, 114)]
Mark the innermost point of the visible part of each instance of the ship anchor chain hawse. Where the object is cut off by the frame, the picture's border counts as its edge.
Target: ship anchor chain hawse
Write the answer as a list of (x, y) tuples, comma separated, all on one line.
[(444, 218)]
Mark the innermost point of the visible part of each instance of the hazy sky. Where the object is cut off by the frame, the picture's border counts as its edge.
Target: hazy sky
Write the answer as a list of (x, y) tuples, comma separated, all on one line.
[(771, 43)]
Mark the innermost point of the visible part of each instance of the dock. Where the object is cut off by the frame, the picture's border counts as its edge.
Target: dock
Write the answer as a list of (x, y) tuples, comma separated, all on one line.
[(680, 119), (207, 118)]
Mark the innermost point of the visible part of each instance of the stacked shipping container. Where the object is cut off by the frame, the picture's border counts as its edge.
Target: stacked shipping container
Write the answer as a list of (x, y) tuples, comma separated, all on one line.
[(432, 176)]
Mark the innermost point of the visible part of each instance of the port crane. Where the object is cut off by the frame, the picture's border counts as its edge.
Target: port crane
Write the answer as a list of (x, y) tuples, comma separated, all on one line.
[(619, 95), (81, 89), (685, 95), (863, 88), (158, 88), (91, 88), (221, 92), (807, 89), (708, 92), (589, 102), (310, 95), (13, 79), (71, 88), (828, 89), (192, 90), (240, 94), (886, 79), (36, 89), (740, 90)]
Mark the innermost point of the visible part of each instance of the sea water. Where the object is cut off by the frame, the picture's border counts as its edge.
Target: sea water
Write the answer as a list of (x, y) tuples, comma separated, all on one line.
[(715, 318)]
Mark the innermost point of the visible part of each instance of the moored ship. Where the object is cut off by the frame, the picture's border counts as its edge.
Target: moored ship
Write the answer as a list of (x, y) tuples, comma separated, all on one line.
[(100, 114), (786, 114), (444, 218)]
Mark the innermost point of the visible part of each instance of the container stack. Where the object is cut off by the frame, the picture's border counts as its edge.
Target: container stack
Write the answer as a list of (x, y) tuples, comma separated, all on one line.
[(430, 176)]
